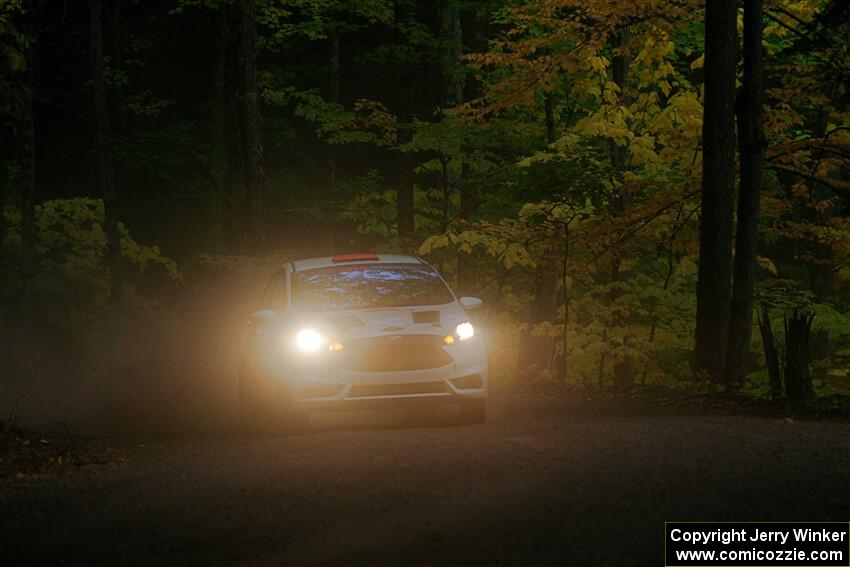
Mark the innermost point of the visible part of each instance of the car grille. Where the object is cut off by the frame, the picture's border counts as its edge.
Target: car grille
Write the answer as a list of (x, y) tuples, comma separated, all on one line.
[(396, 353), (368, 390)]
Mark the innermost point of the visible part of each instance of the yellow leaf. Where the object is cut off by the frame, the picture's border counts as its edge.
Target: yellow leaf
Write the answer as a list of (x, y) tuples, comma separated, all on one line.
[(698, 63), (768, 265)]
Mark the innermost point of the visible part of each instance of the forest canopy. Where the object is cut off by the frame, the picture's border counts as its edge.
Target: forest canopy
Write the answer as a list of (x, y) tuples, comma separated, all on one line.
[(550, 157)]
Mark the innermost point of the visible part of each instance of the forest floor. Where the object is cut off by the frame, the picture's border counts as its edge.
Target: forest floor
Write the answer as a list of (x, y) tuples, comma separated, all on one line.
[(547, 480)]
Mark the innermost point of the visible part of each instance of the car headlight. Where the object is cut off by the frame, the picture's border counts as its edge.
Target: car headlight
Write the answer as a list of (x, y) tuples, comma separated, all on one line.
[(308, 340), (465, 331), (462, 332)]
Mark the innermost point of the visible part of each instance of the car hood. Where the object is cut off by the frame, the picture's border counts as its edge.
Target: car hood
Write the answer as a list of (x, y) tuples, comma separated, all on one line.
[(421, 319)]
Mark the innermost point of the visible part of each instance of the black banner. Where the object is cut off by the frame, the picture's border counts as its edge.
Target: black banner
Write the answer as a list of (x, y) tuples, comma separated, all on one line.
[(757, 544)]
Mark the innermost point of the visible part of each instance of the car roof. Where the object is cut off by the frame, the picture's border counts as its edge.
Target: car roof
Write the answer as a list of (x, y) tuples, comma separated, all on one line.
[(326, 261)]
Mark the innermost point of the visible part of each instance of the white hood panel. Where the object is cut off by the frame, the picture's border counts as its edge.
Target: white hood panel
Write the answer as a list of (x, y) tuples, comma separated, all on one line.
[(394, 321)]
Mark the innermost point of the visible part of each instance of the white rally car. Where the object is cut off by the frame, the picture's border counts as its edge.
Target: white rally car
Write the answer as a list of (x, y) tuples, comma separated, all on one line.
[(344, 331)]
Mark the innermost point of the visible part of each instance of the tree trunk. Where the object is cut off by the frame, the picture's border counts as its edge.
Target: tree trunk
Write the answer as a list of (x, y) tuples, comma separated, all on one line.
[(468, 208), (244, 177), (751, 151), (549, 115), (718, 188), (252, 149), (26, 134), (4, 191), (333, 97), (118, 113), (404, 192), (536, 351), (624, 368), (620, 76), (771, 358), (331, 149), (798, 382), (562, 360), (106, 167), (222, 210), (471, 26), (451, 72)]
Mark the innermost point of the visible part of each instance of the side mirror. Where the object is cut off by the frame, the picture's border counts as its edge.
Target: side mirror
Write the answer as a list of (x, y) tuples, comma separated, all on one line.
[(263, 317), (470, 303)]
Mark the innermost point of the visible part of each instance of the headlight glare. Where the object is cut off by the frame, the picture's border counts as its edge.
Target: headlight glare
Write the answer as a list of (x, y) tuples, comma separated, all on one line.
[(465, 331), (308, 340)]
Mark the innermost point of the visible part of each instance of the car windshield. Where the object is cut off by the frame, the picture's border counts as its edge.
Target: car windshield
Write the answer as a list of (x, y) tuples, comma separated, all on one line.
[(368, 286)]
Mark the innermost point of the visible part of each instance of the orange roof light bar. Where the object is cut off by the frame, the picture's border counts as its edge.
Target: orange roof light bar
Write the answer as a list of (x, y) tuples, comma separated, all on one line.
[(369, 256)]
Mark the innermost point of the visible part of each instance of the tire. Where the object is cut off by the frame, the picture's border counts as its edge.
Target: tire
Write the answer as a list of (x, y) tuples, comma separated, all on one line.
[(473, 411)]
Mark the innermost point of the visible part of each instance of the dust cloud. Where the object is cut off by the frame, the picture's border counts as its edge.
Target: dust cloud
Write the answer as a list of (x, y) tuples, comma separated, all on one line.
[(170, 372)]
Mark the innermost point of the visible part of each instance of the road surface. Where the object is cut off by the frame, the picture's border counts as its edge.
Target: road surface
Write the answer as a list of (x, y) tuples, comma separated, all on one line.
[(542, 483)]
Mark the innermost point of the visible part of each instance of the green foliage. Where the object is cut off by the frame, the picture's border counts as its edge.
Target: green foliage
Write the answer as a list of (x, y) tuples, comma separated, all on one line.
[(553, 167), (290, 20), (72, 283), (14, 42)]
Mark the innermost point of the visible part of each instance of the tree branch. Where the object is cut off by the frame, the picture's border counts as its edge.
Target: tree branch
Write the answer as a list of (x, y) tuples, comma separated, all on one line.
[(840, 188)]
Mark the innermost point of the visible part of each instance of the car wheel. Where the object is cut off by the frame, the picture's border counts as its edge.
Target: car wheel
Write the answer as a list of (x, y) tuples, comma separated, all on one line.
[(473, 411)]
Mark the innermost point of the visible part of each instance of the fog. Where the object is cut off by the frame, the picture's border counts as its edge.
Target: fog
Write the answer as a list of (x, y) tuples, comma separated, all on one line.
[(172, 371)]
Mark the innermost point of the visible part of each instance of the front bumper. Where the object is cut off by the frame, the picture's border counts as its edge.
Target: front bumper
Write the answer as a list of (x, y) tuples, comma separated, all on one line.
[(388, 389), (325, 383)]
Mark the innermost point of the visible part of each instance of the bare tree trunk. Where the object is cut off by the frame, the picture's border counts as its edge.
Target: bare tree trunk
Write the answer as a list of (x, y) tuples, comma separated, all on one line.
[(751, 149), (26, 133), (468, 208), (624, 369), (333, 96), (549, 114), (718, 189), (471, 26), (254, 173), (4, 191), (452, 32), (600, 372), (331, 149), (234, 158), (534, 350), (404, 193), (106, 165), (221, 207), (453, 90), (118, 112), (620, 76), (244, 179), (562, 360), (771, 358)]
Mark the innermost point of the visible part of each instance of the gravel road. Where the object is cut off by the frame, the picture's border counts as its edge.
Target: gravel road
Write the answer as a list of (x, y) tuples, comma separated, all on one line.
[(542, 483)]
